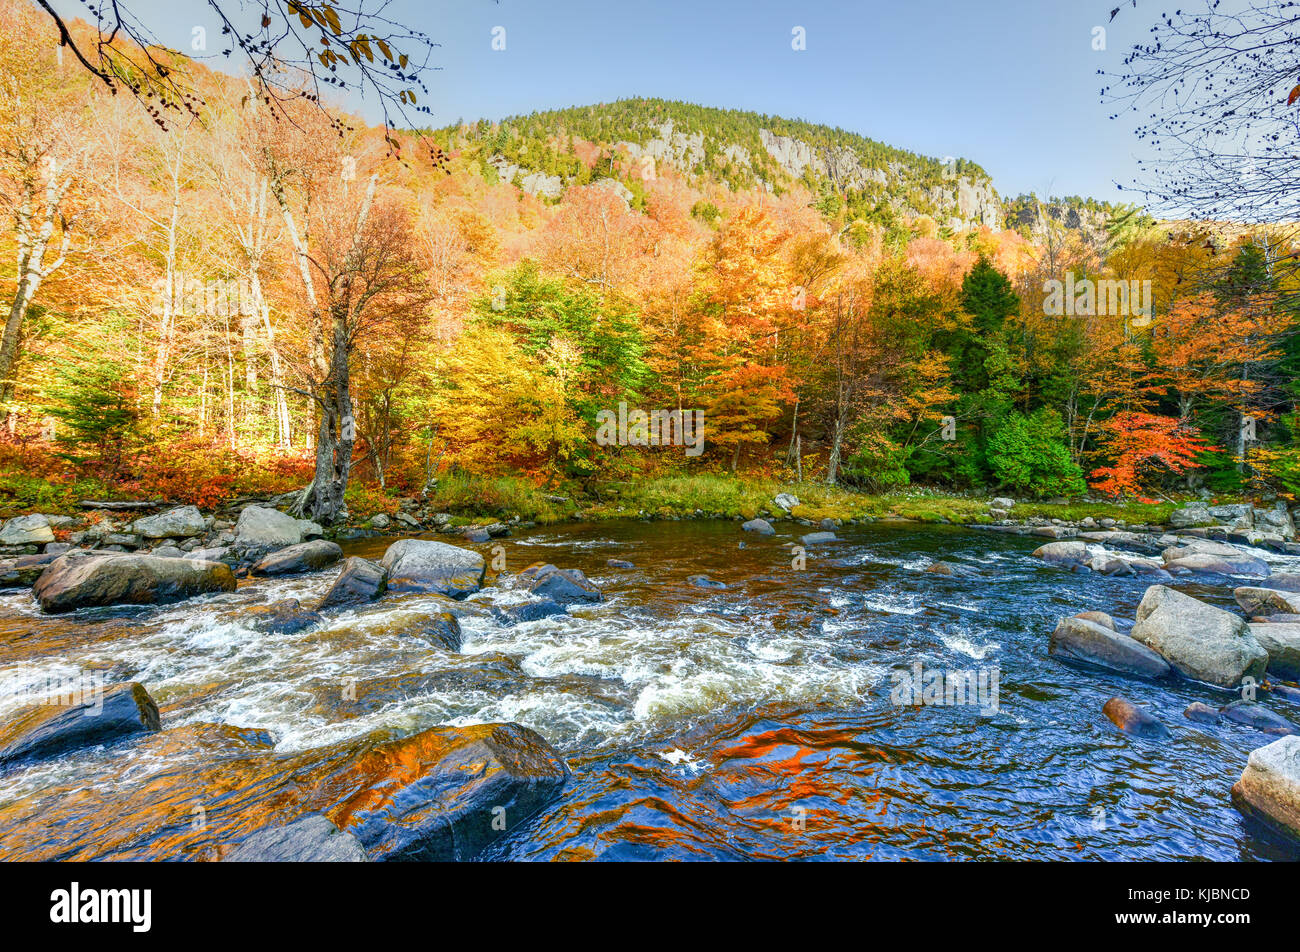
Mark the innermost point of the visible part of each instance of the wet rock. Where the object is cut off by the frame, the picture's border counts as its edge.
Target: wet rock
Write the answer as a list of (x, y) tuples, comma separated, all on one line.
[(816, 538), (311, 839), (27, 530), (1285, 692), (260, 530), (1098, 618), (417, 565), (1053, 532), (703, 581), (830, 525), (948, 568), (529, 611), (1078, 639), (761, 526), (80, 580), (1131, 719), (1269, 787), (285, 617), (52, 730), (359, 581), (180, 523), (1072, 552), (619, 564), (1282, 581), (477, 534), (1257, 716), (1205, 562), (1200, 641), (1257, 601), (1282, 642), (1201, 713), (442, 629), (562, 586), (304, 557)]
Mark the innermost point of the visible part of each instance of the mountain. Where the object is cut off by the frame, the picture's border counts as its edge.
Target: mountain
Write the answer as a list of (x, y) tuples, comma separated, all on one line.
[(856, 177)]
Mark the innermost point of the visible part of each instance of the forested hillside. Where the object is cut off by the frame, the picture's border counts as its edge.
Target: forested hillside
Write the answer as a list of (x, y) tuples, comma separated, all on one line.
[(246, 301)]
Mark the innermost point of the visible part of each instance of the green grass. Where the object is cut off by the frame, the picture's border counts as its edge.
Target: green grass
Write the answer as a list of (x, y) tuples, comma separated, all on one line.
[(21, 493), (1130, 512), (491, 498)]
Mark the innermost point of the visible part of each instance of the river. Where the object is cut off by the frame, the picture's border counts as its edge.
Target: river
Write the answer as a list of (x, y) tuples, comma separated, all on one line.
[(755, 722)]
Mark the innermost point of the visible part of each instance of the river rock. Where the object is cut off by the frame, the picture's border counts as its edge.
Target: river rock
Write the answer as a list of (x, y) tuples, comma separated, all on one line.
[(1098, 618), (761, 526), (180, 523), (418, 565), (380, 521), (303, 557), (1269, 787), (786, 501), (1131, 719), (1257, 716), (1282, 642), (358, 582), (1262, 602), (1003, 502), (285, 617), (1078, 639), (1064, 553), (441, 628), (562, 586), (434, 796), (703, 581), (23, 571), (619, 564), (261, 530), (1202, 713), (1200, 547), (1198, 640), (1205, 562), (1275, 520), (27, 530), (950, 569), (816, 538), (529, 611), (311, 839), (477, 534), (80, 580), (52, 730)]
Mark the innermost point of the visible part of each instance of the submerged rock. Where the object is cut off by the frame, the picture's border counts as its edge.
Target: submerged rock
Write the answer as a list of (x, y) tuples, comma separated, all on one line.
[(948, 568), (703, 581), (619, 564), (761, 526), (529, 611), (1200, 641), (441, 628), (358, 582), (304, 557), (1081, 640), (1257, 716), (418, 565), (51, 730), (1269, 787), (311, 839), (1201, 713), (80, 580), (1131, 719), (814, 538), (285, 617)]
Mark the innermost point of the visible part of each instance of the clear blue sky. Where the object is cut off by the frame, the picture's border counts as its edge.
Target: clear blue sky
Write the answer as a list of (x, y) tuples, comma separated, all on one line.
[(1011, 84)]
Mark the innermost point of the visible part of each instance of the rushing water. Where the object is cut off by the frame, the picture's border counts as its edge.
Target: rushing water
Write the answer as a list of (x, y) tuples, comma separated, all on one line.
[(754, 722)]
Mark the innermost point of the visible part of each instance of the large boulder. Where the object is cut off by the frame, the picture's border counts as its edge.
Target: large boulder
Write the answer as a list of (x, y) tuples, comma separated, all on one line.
[(311, 839), (52, 730), (1261, 602), (23, 571), (1200, 641), (1064, 553), (1240, 564), (1276, 520), (359, 581), (261, 530), (446, 793), (419, 565), (562, 586), (81, 580), (1079, 639), (1282, 642), (1269, 787), (179, 523), (303, 557), (1200, 547), (27, 530)]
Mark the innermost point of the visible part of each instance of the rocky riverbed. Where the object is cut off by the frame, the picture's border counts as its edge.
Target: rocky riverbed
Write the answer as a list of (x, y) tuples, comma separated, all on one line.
[(649, 689)]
